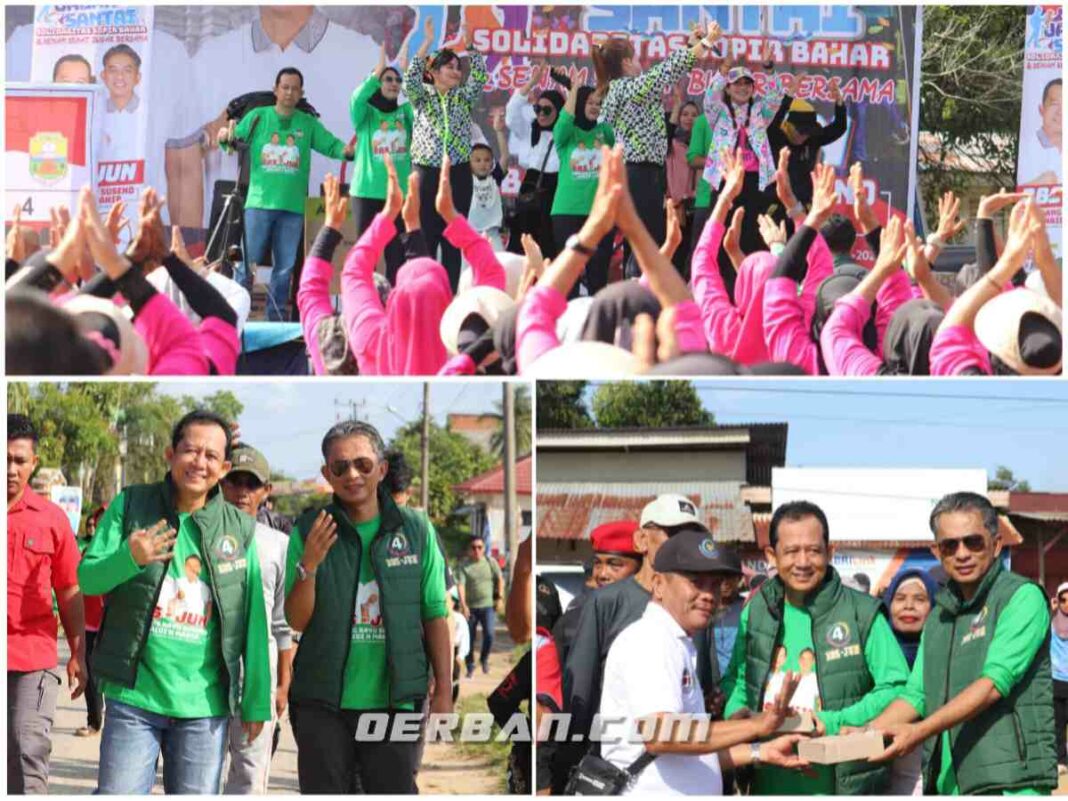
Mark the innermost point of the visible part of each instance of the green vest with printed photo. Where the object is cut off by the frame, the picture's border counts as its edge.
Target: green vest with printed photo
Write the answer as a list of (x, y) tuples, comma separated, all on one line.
[(1011, 744), (226, 534)]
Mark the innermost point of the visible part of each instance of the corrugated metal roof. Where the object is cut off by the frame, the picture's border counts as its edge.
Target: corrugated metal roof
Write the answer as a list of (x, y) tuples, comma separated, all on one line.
[(570, 510), (1034, 503), (643, 438), (492, 481)]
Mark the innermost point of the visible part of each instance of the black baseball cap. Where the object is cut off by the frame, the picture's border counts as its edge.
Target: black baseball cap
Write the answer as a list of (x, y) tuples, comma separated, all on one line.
[(692, 551)]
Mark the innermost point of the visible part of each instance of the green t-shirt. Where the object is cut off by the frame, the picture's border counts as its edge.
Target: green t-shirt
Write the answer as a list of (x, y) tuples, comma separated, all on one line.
[(580, 163), (379, 132), (1017, 638), (479, 579), (700, 144), (885, 661), (366, 681), (280, 156), (181, 673)]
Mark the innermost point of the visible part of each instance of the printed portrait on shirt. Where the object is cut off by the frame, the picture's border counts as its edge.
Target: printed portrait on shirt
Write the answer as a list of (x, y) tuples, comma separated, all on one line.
[(186, 599), (807, 695), (367, 614)]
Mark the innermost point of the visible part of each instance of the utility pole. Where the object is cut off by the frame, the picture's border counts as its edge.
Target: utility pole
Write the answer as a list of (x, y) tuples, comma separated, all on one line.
[(511, 530), (355, 408), (424, 444)]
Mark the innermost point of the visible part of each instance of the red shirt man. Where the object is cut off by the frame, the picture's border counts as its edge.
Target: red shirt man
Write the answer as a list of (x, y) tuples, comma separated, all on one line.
[(42, 556)]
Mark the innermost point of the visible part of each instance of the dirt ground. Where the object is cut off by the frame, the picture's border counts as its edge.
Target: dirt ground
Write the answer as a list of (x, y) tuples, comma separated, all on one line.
[(444, 770)]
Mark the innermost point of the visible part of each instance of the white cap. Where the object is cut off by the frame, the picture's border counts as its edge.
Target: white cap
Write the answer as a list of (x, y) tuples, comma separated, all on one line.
[(584, 360), (485, 301), (668, 511), (513, 264)]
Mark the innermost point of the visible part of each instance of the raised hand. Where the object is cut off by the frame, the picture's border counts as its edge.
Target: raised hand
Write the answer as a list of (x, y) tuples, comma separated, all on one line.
[(69, 251), (733, 173), (382, 60), (916, 263), (893, 245), (178, 247), (948, 223), (783, 189), (115, 220), (149, 246), (532, 251), (152, 544), (16, 246), (714, 33), (320, 540), (771, 232), (410, 209), (98, 238), (1022, 228), (772, 719), (765, 53), (866, 218), (824, 196), (989, 205), (335, 205), (60, 219), (674, 229), (443, 202), (607, 201), (732, 239), (394, 196), (227, 132)]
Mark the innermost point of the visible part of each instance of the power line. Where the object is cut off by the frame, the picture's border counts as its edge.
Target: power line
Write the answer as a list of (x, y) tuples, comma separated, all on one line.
[(868, 394), (790, 416)]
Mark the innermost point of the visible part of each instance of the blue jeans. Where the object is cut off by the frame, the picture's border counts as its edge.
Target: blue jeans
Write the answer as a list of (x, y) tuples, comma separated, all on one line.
[(488, 618), (131, 743), (280, 232)]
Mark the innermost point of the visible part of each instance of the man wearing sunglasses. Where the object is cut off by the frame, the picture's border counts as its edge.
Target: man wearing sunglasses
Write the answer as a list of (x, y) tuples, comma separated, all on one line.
[(981, 688), (364, 585), (247, 486), (804, 609)]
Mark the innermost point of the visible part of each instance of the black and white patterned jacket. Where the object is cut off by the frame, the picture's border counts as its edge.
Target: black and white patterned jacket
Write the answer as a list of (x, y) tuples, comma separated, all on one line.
[(440, 117)]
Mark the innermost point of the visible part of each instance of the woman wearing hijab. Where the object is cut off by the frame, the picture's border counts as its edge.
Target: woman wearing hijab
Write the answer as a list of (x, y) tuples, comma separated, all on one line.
[(534, 141), (578, 140), (1059, 659), (382, 126), (909, 600), (681, 176), (614, 310)]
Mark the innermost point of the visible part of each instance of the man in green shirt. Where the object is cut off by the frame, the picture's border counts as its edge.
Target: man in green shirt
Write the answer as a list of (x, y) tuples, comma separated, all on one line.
[(803, 612), (185, 619), (279, 140), (365, 585), (481, 585), (980, 696)]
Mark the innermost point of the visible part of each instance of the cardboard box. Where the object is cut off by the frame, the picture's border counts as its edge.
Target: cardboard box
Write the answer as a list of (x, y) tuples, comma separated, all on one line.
[(805, 723), (841, 748)]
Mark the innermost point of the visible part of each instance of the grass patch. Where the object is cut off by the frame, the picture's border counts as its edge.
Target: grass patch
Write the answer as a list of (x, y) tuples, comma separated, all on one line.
[(493, 751)]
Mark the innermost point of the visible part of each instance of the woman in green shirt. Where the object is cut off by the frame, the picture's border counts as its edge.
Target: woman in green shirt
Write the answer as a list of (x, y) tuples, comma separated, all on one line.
[(382, 126), (578, 138)]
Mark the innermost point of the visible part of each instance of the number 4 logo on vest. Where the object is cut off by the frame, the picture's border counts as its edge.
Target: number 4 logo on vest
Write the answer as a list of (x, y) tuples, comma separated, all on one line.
[(399, 551)]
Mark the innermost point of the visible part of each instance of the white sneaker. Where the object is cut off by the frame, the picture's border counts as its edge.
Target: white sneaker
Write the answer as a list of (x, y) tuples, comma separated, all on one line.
[(1062, 770)]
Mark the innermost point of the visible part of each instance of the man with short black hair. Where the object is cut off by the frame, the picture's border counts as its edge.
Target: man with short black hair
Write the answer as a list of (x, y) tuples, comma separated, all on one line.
[(121, 75), (980, 696), (42, 558), (859, 667), (72, 68), (364, 586), (481, 588), (399, 477), (172, 673), (247, 486)]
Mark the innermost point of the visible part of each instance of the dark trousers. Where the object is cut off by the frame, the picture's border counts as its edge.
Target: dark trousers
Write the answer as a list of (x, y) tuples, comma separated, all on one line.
[(433, 225), (681, 259), (486, 616), (330, 761), (94, 702), (364, 210), (536, 222), (1060, 718), (648, 187), (595, 276)]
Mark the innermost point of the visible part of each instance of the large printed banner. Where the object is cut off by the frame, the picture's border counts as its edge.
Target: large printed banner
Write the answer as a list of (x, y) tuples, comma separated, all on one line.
[(111, 45), (1040, 168), (211, 54), (873, 567), (49, 152)]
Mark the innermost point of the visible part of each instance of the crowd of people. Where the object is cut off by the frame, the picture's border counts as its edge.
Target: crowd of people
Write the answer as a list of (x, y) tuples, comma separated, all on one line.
[(959, 668), (733, 257), (196, 618)]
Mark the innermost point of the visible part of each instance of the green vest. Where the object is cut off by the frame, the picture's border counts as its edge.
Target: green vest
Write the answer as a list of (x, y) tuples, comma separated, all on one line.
[(397, 560), (841, 620), (225, 535), (1010, 745)]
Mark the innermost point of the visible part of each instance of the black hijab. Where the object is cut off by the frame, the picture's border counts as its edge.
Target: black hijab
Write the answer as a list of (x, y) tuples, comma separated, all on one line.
[(504, 333), (907, 344), (379, 101), (614, 309), (557, 100), (581, 120), (834, 287)]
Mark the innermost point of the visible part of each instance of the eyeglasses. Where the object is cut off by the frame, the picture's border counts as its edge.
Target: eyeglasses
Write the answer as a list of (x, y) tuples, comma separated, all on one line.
[(363, 465), (243, 481), (391, 79), (973, 542), (1063, 599), (544, 111)]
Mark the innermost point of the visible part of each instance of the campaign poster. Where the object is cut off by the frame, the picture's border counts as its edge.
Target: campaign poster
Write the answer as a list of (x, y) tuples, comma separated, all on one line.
[(1040, 169), (49, 148), (109, 46), (69, 499)]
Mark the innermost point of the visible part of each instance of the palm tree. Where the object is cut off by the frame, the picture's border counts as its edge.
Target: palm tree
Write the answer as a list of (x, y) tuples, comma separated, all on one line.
[(522, 423)]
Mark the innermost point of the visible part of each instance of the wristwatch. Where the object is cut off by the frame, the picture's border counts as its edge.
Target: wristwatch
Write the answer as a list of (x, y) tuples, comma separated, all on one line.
[(303, 574), (574, 243), (754, 754)]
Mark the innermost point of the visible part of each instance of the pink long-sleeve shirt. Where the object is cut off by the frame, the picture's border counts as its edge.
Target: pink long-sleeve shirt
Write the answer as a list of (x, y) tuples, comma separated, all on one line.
[(222, 345), (174, 345), (844, 351), (956, 349), (313, 302)]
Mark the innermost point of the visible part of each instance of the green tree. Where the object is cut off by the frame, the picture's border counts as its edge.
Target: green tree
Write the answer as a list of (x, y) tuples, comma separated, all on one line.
[(453, 460), (649, 404), (522, 422), (1004, 479), (970, 89), (223, 403), (560, 405)]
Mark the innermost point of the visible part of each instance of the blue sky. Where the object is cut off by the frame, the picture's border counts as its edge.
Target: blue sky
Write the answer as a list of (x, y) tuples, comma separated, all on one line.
[(1022, 424), (287, 420)]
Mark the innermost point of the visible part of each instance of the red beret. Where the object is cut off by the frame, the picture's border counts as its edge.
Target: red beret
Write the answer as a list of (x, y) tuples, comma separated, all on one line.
[(615, 537)]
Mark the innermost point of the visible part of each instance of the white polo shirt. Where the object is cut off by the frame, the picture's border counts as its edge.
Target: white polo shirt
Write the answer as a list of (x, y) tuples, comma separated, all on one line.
[(652, 667)]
